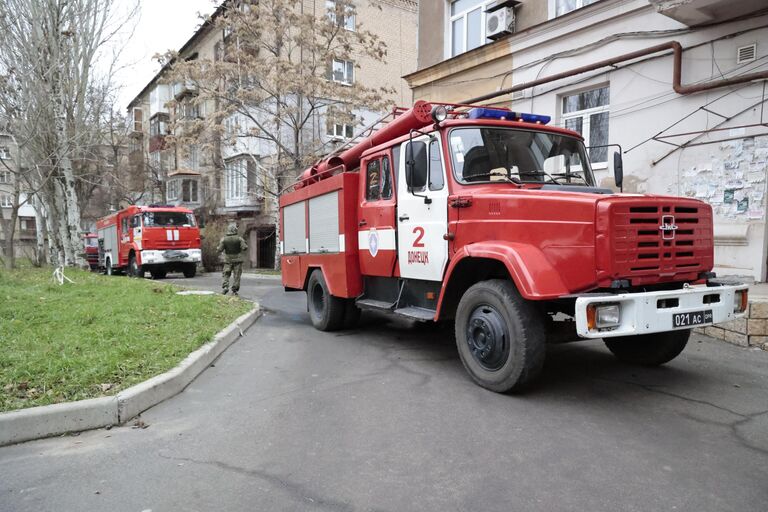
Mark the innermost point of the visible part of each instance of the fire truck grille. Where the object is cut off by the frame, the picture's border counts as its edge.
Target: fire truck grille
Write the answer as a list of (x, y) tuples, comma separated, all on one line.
[(660, 239), (171, 244)]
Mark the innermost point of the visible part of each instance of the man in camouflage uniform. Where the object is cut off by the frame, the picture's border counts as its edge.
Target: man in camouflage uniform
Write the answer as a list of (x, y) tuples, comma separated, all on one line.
[(233, 246)]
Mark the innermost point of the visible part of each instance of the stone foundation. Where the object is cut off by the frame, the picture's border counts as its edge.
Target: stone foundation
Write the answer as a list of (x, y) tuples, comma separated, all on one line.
[(750, 331)]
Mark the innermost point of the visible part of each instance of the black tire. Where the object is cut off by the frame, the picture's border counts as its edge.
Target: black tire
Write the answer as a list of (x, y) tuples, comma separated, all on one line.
[(134, 269), (351, 314), (500, 336), (648, 349), (190, 270), (325, 310), (108, 267), (158, 274)]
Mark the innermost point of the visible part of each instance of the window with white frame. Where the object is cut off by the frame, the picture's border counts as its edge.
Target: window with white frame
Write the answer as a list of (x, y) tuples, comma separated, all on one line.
[(467, 25), (560, 7), (155, 160), (346, 20), (340, 130), (6, 201), (5, 177), (5, 153), (343, 71), (193, 157), (189, 191), (237, 179), (588, 113), (172, 190)]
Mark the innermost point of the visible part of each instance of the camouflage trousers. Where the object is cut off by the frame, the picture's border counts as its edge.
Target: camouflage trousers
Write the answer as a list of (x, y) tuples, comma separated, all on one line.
[(235, 270)]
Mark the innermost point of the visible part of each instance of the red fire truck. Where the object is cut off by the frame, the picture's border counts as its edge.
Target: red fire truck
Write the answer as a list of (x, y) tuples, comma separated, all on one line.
[(156, 239), (492, 219)]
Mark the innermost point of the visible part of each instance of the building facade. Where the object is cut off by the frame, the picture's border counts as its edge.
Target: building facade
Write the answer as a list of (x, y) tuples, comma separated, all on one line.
[(220, 179), (704, 137), (25, 231)]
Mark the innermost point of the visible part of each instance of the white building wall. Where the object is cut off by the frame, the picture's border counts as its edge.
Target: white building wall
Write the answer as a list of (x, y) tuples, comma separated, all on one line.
[(643, 104)]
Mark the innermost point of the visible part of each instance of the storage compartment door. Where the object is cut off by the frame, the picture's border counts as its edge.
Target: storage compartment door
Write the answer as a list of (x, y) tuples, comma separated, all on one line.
[(295, 229), (324, 223)]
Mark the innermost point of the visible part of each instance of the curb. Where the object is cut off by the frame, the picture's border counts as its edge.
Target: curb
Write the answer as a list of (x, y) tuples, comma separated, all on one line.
[(56, 419)]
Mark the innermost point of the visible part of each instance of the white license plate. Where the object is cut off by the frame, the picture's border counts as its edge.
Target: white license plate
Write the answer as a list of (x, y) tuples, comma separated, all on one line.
[(692, 318)]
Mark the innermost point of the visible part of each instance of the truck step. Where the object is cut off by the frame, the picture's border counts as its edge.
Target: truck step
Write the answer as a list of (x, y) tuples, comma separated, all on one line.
[(417, 313), (374, 304)]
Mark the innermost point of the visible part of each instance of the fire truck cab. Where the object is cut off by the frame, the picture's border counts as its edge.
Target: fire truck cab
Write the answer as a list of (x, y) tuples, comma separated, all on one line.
[(156, 239), (492, 220)]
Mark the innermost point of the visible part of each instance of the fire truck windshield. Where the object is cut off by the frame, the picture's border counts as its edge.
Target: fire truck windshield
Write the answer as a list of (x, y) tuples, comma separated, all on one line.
[(165, 219), (483, 155)]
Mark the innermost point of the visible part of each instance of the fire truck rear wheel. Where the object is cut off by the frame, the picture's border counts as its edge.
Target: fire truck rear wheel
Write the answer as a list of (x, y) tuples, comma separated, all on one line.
[(190, 270), (648, 349), (500, 336), (325, 310), (108, 267), (158, 274)]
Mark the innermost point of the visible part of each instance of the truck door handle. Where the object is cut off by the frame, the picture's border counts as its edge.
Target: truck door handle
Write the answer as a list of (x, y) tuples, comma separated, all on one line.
[(404, 217), (362, 223)]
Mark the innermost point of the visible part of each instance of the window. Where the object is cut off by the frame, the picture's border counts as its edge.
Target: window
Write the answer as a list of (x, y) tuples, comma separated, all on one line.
[(386, 179), (189, 109), (346, 20), (340, 130), (27, 224), (6, 201), (162, 219), (237, 179), (435, 167), (124, 225), (135, 145), (136, 221), (467, 25), (506, 155), (138, 117), (193, 157), (155, 160), (189, 191), (373, 180), (560, 7), (158, 126), (5, 153), (5, 177), (587, 113), (343, 71), (172, 190)]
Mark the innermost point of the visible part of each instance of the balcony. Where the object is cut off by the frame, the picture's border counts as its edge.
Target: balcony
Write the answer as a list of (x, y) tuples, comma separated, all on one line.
[(700, 12), (183, 89)]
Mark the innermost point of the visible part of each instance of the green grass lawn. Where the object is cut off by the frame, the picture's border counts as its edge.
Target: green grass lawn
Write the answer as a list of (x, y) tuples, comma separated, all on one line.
[(96, 336)]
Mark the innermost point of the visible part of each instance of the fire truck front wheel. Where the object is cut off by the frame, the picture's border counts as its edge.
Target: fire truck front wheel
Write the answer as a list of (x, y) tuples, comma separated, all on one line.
[(325, 310), (648, 349), (134, 269), (500, 336)]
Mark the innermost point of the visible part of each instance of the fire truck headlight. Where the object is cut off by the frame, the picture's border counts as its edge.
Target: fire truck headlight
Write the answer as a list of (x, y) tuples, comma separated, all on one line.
[(603, 316), (439, 113)]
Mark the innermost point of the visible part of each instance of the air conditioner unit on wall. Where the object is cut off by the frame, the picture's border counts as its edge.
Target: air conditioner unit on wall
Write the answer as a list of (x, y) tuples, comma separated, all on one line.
[(499, 22)]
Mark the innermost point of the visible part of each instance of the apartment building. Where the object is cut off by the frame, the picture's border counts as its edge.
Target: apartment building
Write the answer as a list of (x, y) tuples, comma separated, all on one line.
[(219, 178), (704, 137), (25, 231)]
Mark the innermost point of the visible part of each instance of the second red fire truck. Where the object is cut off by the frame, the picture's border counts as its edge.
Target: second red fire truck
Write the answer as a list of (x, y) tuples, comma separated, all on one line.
[(156, 239), (492, 220)]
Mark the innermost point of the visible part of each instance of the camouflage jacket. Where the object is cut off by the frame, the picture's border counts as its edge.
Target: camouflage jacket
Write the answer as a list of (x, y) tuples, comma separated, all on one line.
[(233, 247)]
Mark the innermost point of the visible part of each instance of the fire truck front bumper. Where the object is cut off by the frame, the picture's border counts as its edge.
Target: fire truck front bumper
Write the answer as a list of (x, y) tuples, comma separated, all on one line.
[(171, 256), (628, 314)]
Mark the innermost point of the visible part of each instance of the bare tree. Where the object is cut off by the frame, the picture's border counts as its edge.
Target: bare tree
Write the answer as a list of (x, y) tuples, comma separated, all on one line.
[(279, 74), (54, 98)]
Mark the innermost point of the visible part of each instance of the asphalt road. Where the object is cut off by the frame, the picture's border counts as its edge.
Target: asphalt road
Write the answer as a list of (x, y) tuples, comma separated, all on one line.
[(384, 418)]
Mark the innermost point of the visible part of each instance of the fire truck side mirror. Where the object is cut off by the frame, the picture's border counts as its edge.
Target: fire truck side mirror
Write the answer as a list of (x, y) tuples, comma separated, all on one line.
[(416, 165), (618, 170)]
